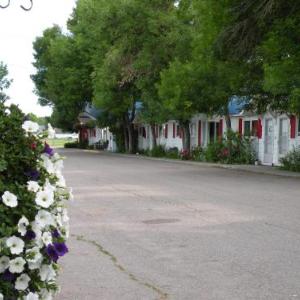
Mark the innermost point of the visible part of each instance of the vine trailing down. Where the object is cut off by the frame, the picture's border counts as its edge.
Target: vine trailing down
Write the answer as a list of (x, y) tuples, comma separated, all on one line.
[(33, 216)]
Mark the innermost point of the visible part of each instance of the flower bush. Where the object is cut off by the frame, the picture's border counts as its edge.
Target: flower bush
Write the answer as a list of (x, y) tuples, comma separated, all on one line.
[(234, 149), (33, 216), (291, 161)]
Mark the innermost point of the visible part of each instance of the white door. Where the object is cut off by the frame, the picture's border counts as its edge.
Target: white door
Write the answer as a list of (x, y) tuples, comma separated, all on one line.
[(269, 141), (283, 137)]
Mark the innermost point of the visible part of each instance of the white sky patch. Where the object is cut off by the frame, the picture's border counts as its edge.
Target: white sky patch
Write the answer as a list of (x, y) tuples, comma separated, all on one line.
[(18, 30)]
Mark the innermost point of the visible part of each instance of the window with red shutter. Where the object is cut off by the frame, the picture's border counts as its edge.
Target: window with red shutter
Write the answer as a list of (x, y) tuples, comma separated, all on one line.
[(259, 129), (174, 130), (293, 126), (240, 126), (199, 133)]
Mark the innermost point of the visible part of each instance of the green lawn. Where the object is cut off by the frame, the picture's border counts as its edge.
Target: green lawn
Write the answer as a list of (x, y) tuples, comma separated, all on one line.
[(59, 143)]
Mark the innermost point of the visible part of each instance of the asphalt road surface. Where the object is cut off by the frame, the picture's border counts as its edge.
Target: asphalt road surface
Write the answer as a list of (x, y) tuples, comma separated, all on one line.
[(143, 229)]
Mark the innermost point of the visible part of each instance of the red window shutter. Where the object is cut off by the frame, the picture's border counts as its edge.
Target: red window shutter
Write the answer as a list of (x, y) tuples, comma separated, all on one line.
[(293, 126), (254, 128), (174, 130), (259, 129), (166, 131), (221, 129), (240, 126), (199, 133)]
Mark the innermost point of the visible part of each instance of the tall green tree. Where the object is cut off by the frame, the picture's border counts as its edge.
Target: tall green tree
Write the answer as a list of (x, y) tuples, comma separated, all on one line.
[(4, 82), (264, 36), (62, 79), (201, 80)]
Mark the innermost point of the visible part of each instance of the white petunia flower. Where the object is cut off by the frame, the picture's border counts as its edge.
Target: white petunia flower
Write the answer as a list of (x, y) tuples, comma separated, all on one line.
[(15, 244), (47, 238), (32, 186), (47, 273), (71, 196), (30, 126), (7, 111), (32, 296), (58, 166), (4, 263), (10, 199), (47, 164), (44, 198), (22, 282), (51, 132), (49, 186), (45, 295), (60, 180), (17, 265), (44, 218), (65, 216), (35, 265), (33, 255), (22, 225), (1, 296)]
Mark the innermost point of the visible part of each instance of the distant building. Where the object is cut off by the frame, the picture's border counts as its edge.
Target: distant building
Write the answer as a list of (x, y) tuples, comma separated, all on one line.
[(91, 133)]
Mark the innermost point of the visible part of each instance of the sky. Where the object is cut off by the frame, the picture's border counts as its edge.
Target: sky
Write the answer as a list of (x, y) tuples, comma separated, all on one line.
[(18, 30)]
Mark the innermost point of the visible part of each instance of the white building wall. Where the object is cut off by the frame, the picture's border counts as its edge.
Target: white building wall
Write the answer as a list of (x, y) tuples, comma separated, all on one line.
[(258, 144)]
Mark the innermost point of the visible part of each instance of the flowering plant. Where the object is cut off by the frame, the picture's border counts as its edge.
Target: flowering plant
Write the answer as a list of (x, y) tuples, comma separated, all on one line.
[(185, 154), (33, 216)]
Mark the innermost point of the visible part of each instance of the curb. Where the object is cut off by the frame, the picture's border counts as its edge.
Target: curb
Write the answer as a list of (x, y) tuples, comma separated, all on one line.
[(263, 170)]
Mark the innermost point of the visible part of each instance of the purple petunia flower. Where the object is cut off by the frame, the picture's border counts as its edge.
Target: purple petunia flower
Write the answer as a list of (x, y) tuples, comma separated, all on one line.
[(8, 276), (33, 174), (55, 234), (48, 150), (52, 253), (30, 235), (61, 248)]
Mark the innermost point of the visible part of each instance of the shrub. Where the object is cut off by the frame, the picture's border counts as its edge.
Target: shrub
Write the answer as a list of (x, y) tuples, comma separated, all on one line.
[(172, 153), (83, 144), (185, 154), (235, 149), (71, 145), (213, 152), (34, 221), (291, 161), (198, 154), (158, 151)]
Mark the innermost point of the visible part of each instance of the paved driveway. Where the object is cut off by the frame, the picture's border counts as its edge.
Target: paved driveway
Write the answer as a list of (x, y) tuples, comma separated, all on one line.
[(157, 230)]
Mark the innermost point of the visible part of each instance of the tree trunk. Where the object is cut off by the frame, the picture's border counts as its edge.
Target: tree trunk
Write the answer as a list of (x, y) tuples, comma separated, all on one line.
[(125, 137), (130, 138), (153, 132), (228, 121), (187, 135)]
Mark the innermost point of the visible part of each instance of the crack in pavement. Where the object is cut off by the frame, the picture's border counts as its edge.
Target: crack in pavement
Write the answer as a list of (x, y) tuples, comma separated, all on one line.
[(101, 249)]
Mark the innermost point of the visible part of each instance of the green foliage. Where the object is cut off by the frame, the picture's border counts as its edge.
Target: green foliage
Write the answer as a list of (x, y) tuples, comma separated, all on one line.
[(21, 160), (172, 153), (234, 149), (158, 151), (71, 145), (40, 120), (291, 161), (4, 82), (198, 154), (62, 76)]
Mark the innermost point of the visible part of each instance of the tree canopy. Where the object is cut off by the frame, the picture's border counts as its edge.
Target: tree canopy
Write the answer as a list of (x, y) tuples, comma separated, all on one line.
[(177, 58), (4, 82)]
